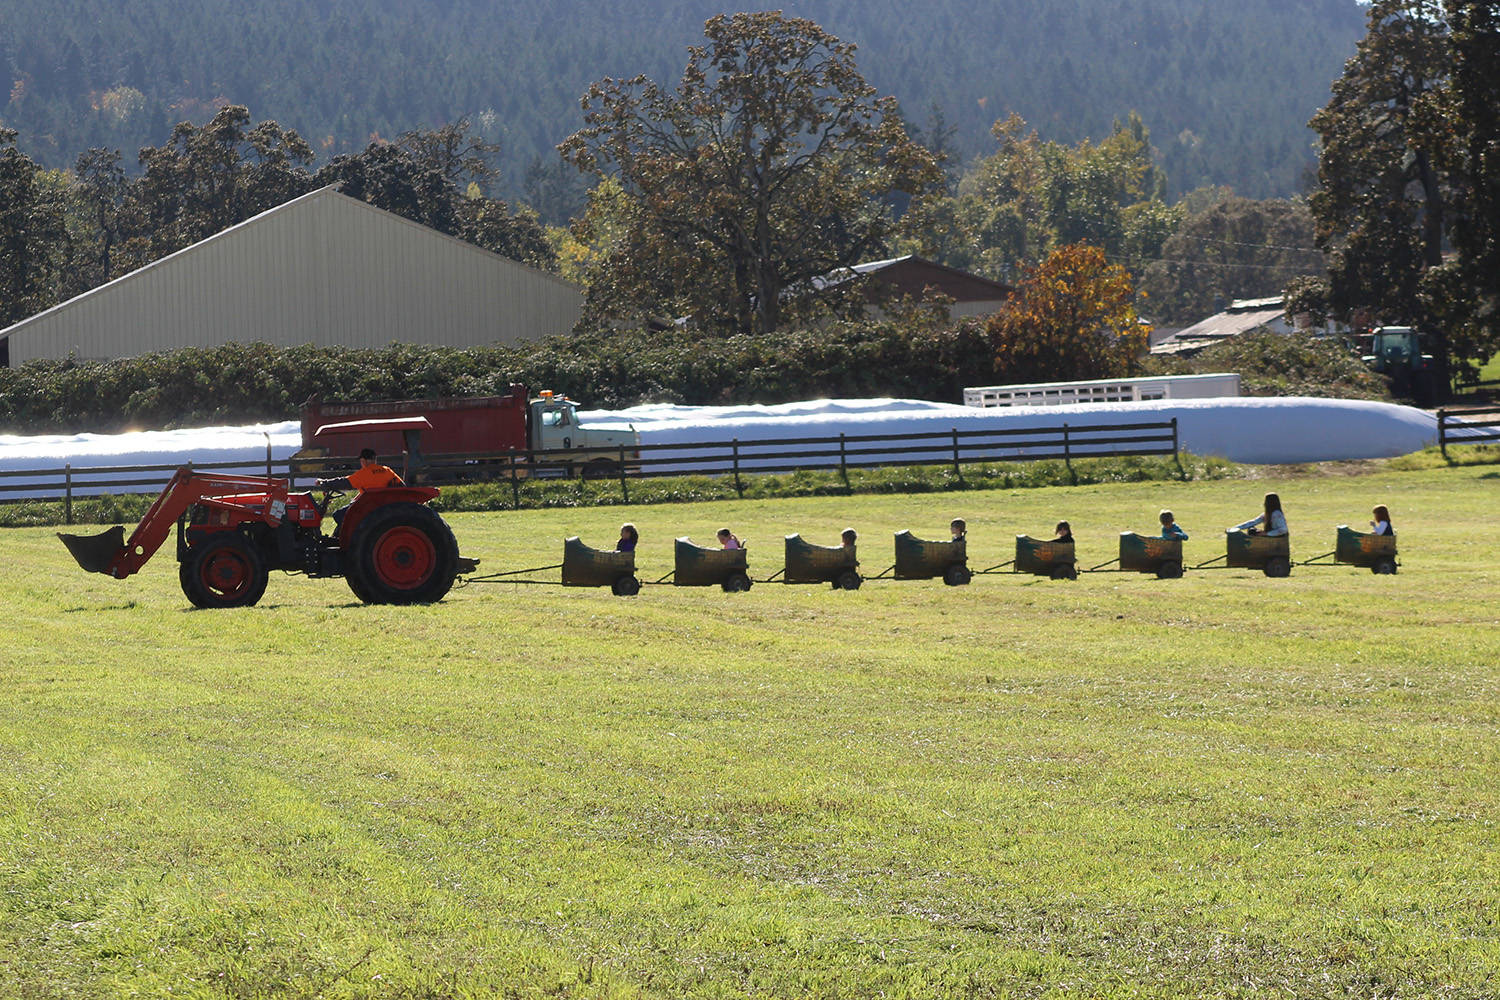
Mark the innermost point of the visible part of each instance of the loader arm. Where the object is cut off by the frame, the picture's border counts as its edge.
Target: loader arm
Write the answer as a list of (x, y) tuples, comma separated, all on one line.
[(108, 553)]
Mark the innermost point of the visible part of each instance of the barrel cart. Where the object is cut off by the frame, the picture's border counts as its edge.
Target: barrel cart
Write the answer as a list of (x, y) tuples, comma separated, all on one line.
[(1271, 554), (1045, 557), (809, 563), (582, 566), (587, 567), (919, 559), (1360, 548), (700, 566), (1146, 554)]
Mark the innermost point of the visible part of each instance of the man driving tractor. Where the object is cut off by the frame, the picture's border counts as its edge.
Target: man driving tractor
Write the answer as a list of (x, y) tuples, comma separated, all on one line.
[(371, 476)]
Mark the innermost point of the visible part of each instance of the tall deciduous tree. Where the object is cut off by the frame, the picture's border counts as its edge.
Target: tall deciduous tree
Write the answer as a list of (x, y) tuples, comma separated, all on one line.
[(1031, 196), (1473, 280), (1234, 249), (1391, 181), (767, 167), (204, 180), (1071, 317), (31, 234), (436, 178)]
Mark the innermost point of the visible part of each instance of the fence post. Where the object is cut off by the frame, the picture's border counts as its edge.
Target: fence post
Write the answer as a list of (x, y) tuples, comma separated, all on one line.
[(844, 465), (624, 487), (515, 485), (1442, 433), (1177, 452), (268, 457), (68, 493), (957, 472), (739, 486), (1068, 456)]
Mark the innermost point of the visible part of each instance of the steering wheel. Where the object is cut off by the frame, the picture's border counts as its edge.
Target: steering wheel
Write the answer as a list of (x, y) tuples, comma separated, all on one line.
[(328, 498)]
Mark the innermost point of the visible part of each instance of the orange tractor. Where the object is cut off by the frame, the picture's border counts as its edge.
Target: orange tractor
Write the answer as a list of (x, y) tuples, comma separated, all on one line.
[(233, 530)]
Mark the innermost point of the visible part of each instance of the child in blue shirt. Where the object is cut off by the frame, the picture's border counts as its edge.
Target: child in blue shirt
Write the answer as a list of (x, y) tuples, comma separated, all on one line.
[(1170, 528)]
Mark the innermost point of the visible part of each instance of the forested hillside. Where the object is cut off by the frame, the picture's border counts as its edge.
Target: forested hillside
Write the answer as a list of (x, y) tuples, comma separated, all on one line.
[(1226, 86)]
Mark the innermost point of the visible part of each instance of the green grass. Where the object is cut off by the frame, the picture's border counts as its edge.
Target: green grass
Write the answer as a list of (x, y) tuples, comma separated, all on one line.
[(1223, 785)]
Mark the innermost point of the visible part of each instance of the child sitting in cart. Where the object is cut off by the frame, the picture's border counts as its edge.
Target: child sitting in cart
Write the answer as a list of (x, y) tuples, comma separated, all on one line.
[(1170, 528), (727, 539), (959, 528), (1064, 532), (1382, 523), (1272, 523), (628, 538)]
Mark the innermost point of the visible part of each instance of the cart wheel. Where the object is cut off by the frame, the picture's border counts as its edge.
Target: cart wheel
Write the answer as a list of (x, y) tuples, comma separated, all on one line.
[(847, 580), (1169, 569), (736, 583), (957, 576), (1064, 571), (1278, 567), (626, 586), (1384, 567)]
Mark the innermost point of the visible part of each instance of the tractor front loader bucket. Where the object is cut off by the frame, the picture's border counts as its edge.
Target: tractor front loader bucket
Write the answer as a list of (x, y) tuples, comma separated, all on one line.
[(95, 552)]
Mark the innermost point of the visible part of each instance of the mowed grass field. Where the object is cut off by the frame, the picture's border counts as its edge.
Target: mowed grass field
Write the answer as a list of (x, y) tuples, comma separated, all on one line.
[(1224, 785)]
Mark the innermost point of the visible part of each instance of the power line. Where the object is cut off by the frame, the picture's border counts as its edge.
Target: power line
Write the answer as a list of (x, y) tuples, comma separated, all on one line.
[(1252, 246)]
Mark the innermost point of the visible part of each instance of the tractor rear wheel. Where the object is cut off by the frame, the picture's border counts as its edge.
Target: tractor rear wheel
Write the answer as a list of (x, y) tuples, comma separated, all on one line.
[(357, 585), (223, 572), (403, 553)]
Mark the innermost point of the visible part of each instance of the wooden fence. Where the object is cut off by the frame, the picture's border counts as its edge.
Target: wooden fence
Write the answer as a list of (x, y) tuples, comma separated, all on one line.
[(734, 458), (1473, 431)]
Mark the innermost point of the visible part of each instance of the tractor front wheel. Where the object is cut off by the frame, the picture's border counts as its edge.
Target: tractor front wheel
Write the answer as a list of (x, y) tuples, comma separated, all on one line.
[(223, 572), (402, 553)]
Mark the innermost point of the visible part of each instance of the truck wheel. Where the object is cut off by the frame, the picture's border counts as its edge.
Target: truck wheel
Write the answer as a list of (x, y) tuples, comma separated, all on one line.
[(626, 586), (736, 583), (848, 580), (223, 572), (403, 553), (957, 576)]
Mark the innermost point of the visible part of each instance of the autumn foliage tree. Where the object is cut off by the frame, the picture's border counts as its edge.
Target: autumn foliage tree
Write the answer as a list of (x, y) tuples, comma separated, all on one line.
[(1071, 317)]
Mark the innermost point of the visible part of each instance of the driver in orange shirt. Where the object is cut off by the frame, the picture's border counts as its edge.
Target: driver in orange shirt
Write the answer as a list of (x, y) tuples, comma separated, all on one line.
[(371, 476)]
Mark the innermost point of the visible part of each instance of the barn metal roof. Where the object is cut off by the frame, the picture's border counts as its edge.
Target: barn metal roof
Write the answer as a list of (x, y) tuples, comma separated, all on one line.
[(322, 269)]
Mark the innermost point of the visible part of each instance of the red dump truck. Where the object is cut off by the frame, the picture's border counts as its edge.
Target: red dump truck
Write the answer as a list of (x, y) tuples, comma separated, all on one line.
[(544, 433)]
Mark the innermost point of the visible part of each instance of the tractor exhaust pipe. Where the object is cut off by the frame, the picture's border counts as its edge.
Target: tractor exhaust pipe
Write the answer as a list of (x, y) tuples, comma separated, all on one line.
[(95, 553)]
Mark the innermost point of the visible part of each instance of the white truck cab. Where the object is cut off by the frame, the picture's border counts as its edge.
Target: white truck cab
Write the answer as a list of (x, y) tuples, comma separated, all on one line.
[(554, 426)]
